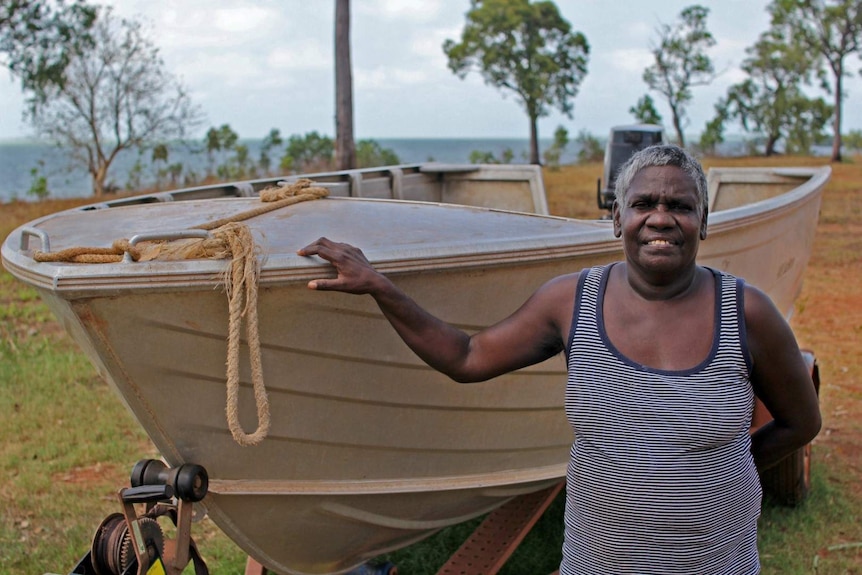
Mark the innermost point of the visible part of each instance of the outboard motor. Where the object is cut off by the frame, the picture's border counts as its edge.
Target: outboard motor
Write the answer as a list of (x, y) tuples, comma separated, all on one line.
[(623, 142)]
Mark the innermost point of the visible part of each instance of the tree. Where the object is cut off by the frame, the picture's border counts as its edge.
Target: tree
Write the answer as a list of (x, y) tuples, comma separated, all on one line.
[(853, 140), (831, 29), (218, 142), (159, 156), (553, 154), (771, 101), (488, 157), (644, 111), (345, 147), (812, 115), (238, 166), (526, 48), (38, 39), (312, 152), (270, 141), (590, 149), (713, 132), (116, 96), (681, 63), (370, 153)]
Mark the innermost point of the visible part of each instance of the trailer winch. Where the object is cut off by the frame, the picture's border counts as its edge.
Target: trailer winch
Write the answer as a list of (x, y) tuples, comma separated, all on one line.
[(132, 543)]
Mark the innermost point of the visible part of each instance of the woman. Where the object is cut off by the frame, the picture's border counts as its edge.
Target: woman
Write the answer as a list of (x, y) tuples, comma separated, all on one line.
[(664, 359)]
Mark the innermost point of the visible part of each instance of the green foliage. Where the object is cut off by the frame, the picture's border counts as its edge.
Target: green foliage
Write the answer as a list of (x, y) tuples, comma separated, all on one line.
[(589, 148), (238, 166), (38, 182), (370, 154), (218, 143), (526, 48), (853, 140), (270, 141), (681, 63), (135, 176), (309, 153), (831, 30), (40, 39), (160, 153), (555, 151), (482, 157), (313, 152), (713, 133), (644, 111), (486, 157), (810, 118), (174, 171), (771, 101)]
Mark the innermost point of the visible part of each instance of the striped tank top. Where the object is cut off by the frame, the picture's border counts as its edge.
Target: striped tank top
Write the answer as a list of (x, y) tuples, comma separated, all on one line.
[(661, 478)]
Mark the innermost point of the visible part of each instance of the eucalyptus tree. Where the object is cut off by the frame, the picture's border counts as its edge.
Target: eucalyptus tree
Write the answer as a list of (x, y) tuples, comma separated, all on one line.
[(270, 141), (526, 48), (681, 63), (833, 31), (772, 101), (116, 95), (644, 111)]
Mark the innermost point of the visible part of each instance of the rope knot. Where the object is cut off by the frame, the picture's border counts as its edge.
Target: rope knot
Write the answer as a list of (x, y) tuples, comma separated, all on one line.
[(300, 187)]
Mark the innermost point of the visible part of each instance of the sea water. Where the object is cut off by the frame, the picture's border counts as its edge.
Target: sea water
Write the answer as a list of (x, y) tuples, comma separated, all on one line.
[(67, 177)]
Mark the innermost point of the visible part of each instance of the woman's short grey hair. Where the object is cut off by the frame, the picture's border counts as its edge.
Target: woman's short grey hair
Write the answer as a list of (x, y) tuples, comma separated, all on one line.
[(662, 155)]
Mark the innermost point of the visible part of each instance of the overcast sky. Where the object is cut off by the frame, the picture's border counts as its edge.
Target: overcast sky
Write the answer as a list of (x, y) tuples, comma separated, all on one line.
[(265, 64)]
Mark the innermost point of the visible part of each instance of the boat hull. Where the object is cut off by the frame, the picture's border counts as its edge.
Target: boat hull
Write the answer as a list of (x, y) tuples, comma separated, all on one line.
[(369, 449)]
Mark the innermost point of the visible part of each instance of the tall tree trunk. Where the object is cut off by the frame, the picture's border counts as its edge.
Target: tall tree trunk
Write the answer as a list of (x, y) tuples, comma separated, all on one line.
[(99, 175), (677, 126), (836, 122), (534, 141), (345, 148), (769, 149)]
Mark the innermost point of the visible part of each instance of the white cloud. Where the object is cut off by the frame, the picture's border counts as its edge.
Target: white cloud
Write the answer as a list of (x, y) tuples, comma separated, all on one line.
[(246, 19), (301, 56), (408, 10), (430, 45), (629, 60)]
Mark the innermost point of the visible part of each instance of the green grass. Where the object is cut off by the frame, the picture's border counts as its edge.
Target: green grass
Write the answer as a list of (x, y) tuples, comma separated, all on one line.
[(67, 445), (790, 538)]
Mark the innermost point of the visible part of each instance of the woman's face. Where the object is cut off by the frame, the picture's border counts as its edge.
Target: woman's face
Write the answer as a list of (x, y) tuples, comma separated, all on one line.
[(661, 220)]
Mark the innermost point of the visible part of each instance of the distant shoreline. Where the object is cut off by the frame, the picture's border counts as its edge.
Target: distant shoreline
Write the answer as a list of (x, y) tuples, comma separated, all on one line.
[(22, 160), (19, 157)]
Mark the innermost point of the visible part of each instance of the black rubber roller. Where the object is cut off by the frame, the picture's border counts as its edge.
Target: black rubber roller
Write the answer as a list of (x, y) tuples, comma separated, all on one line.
[(189, 481)]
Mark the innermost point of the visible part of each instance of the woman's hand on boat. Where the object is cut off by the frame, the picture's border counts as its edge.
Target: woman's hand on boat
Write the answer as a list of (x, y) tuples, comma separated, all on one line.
[(355, 273)]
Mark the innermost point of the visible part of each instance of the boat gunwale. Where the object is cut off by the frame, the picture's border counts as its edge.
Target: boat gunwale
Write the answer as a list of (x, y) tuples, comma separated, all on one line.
[(82, 280), (73, 281)]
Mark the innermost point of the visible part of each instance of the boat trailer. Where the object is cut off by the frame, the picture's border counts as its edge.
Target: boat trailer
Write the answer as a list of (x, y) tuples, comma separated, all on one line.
[(133, 543)]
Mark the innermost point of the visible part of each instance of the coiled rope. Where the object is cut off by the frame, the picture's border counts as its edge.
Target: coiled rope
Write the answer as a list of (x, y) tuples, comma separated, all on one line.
[(228, 239)]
